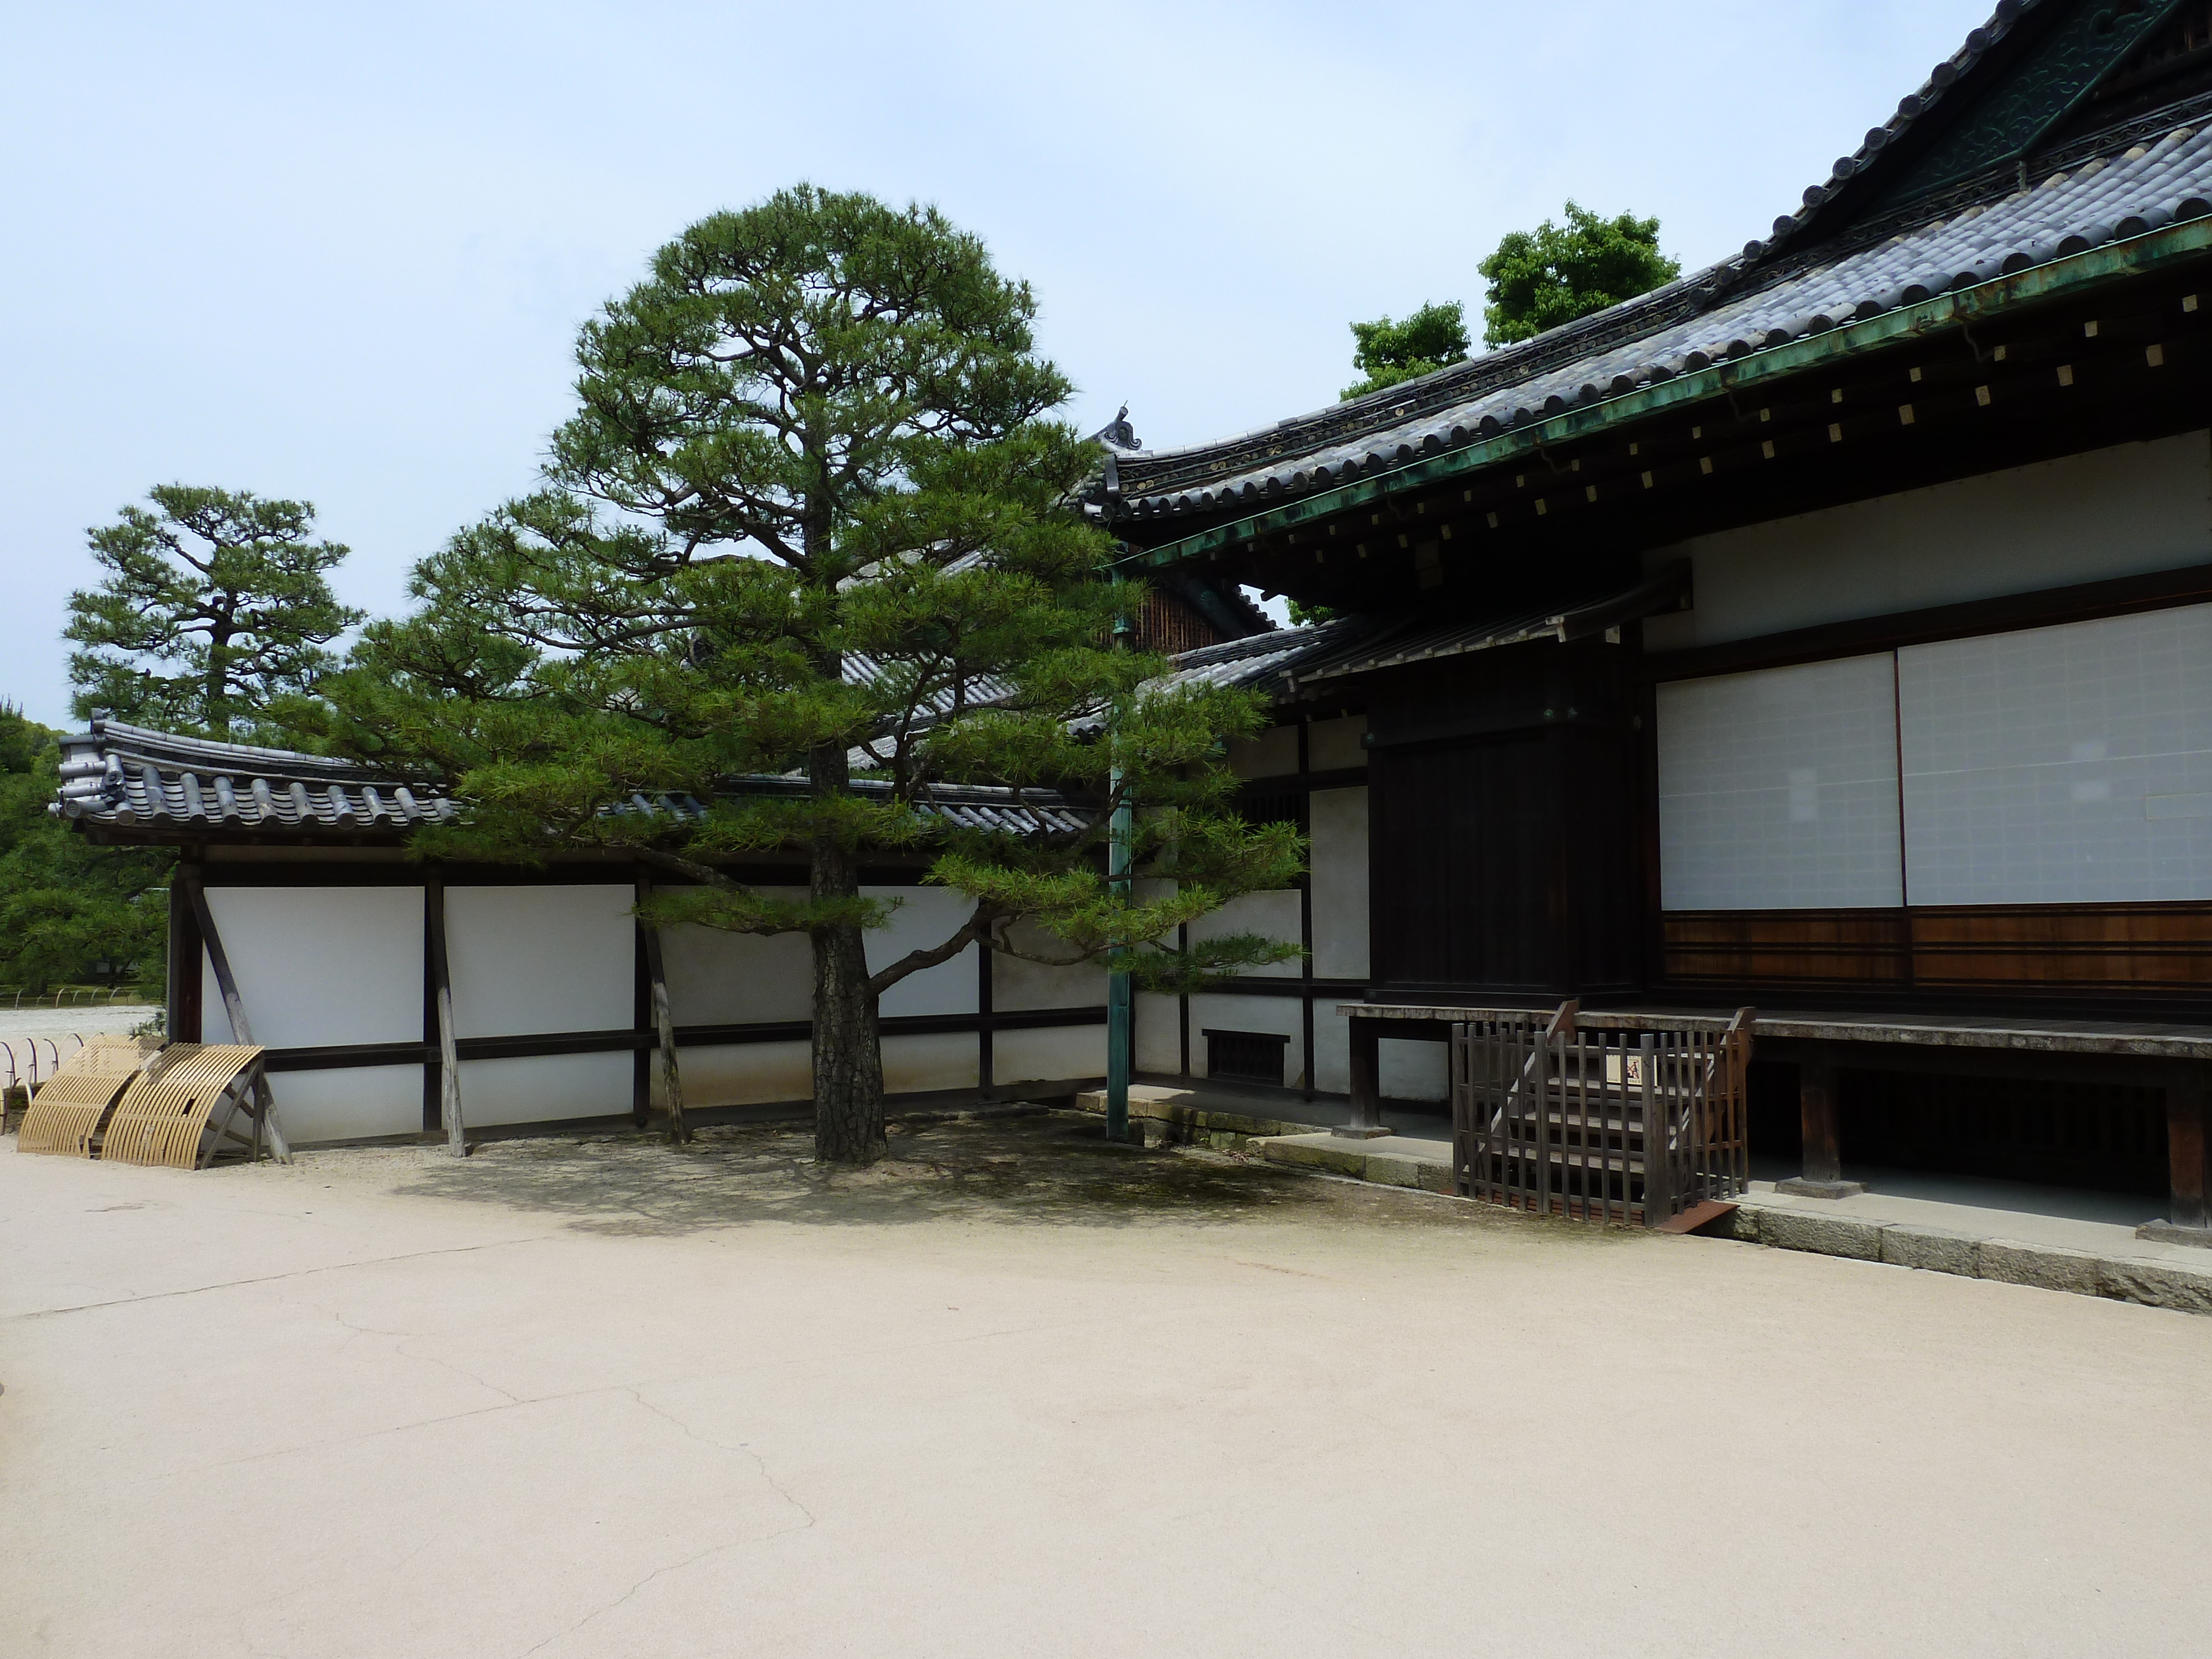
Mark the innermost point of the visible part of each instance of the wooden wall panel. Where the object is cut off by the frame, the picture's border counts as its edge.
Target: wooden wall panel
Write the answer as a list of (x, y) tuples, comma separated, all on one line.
[(2091, 950), (1787, 947)]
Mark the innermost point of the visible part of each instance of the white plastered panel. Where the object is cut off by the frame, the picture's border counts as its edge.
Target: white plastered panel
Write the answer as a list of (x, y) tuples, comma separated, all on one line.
[(917, 1064), (525, 960), (319, 966), (2061, 765), (2111, 512), (730, 979), (1339, 883), (353, 1104), (1406, 1070), (1273, 915), (1159, 1032), (1017, 985), (926, 918), (1226, 1011), (544, 1089), (742, 1074), (1049, 1055), (1335, 745), (1332, 1050), (1272, 754), (1777, 790)]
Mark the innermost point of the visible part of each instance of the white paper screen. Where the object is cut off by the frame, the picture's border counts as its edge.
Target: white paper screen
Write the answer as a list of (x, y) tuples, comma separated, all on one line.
[(1777, 790), (2063, 765)]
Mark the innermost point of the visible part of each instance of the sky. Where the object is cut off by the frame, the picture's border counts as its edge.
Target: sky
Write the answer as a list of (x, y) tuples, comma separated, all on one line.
[(339, 252)]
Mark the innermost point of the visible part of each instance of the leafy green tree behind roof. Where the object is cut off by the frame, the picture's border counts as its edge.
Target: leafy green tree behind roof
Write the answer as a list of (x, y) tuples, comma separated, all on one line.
[(813, 518), (71, 913), (1387, 352), (216, 604), (1539, 279)]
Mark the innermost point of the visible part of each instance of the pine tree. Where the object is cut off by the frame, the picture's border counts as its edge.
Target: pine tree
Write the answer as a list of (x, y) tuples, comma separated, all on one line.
[(812, 518)]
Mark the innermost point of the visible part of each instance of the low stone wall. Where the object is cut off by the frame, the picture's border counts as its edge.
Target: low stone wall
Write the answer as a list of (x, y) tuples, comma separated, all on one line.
[(1936, 1249)]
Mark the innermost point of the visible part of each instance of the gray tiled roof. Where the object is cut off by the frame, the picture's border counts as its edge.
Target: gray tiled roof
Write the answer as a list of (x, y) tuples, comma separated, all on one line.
[(124, 776), (2136, 185)]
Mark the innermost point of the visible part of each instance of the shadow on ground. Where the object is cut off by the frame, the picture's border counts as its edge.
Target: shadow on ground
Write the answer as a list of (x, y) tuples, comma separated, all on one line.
[(1047, 1168)]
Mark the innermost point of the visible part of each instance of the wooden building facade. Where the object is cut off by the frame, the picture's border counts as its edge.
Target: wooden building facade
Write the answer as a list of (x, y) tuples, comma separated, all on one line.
[(1830, 631)]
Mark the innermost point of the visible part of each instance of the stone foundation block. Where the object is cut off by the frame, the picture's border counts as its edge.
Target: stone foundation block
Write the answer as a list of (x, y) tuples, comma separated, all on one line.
[(2046, 1266), (1932, 1249), (2156, 1285), (1342, 1158), (1394, 1171), (1825, 1234), (1437, 1178)]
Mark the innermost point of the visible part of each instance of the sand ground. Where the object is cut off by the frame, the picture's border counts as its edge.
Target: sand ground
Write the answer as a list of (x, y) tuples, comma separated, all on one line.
[(1021, 1393)]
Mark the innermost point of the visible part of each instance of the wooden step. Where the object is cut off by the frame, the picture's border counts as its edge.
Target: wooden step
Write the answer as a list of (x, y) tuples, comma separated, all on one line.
[(1696, 1215)]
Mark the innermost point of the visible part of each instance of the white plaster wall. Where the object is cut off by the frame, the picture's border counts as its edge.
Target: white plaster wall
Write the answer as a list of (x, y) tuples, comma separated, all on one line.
[(1159, 1032), (1273, 916), (319, 965), (1017, 985), (1048, 1056), (1414, 1071), (1332, 1050), (2115, 512), (1226, 1011), (1339, 883), (742, 1074), (1335, 745), (541, 959), (1272, 754), (730, 979), (944, 1060), (924, 917), (539, 1089), (352, 1104)]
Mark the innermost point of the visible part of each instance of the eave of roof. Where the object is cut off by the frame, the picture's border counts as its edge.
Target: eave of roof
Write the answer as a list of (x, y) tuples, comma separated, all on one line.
[(2067, 275), (127, 778)]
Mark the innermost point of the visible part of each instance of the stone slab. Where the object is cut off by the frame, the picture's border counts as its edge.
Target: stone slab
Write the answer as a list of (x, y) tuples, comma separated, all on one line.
[(1932, 1249), (2046, 1266), (1823, 1234), (2156, 1284)]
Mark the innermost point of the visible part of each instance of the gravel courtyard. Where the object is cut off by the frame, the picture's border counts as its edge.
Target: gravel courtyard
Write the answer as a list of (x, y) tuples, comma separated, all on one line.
[(1019, 1393)]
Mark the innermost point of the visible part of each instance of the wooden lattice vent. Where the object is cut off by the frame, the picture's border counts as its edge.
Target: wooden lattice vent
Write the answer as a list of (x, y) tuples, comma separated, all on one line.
[(2184, 44)]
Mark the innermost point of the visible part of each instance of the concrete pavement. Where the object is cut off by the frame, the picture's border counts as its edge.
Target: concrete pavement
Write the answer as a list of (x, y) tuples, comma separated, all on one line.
[(1018, 1394)]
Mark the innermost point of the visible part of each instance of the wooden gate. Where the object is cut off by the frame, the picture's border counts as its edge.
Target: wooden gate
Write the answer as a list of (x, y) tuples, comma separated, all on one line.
[(1634, 1118)]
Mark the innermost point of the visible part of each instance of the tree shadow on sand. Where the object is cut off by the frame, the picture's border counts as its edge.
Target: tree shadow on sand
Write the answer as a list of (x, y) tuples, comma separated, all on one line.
[(1048, 1169)]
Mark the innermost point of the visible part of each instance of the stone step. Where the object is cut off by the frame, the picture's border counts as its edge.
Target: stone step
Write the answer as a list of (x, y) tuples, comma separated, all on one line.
[(1223, 1123), (1387, 1160)]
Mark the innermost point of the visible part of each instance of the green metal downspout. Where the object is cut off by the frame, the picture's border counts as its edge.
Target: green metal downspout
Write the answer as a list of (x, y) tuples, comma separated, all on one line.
[(1119, 1027), (1958, 308)]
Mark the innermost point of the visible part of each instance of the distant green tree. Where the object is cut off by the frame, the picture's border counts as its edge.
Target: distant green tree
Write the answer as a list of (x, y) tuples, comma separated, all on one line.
[(1387, 352), (1553, 274), (1309, 616), (71, 913), (216, 606)]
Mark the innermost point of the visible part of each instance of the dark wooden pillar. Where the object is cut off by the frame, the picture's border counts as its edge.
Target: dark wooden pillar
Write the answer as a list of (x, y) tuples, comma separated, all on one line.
[(182, 1022), (1822, 1132), (2187, 1150), (1816, 1109)]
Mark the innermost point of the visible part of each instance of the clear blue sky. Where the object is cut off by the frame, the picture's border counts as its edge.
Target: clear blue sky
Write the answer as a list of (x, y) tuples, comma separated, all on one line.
[(340, 252)]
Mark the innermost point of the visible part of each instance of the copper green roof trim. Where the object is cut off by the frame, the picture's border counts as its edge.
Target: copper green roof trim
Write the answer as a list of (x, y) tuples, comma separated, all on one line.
[(2073, 273)]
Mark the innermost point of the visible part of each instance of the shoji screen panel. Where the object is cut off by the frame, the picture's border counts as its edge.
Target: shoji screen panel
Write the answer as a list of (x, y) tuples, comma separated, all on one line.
[(2066, 765), (1778, 789)]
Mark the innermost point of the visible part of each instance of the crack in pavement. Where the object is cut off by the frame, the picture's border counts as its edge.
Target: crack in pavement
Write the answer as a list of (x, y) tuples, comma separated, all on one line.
[(758, 1462), (272, 1278)]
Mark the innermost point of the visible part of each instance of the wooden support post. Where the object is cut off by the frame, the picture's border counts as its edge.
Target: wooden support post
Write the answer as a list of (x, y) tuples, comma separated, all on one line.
[(1367, 1079), (1823, 1138), (441, 987), (664, 1021), (240, 1031), (2189, 1149)]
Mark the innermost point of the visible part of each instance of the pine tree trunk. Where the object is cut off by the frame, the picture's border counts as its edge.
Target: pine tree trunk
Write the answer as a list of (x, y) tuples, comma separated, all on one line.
[(849, 1060)]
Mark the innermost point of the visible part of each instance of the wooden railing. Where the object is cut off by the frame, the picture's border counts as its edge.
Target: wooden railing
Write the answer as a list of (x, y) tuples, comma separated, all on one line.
[(1629, 1118)]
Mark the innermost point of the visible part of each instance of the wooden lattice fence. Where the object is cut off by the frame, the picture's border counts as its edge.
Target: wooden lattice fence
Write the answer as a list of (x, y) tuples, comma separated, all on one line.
[(1629, 1118)]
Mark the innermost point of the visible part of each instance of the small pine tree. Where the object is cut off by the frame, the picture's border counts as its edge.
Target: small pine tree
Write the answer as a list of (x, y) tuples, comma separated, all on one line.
[(217, 604)]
